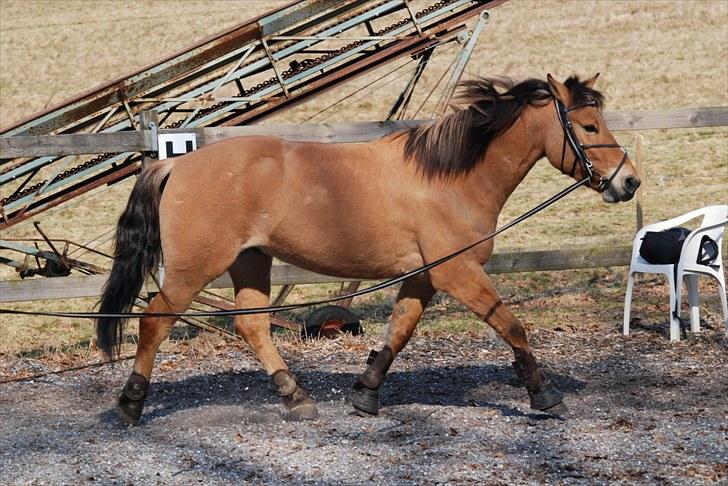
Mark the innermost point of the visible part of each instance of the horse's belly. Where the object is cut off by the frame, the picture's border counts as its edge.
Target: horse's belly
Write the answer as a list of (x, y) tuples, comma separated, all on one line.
[(349, 261)]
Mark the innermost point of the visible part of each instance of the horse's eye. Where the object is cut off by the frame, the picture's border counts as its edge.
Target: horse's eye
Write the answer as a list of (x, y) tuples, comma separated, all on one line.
[(590, 128)]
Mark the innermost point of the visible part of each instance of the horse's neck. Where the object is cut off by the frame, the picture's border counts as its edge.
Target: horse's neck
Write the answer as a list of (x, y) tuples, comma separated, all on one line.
[(507, 162)]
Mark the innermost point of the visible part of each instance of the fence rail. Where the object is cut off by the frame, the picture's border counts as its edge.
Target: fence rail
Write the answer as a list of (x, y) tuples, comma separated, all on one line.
[(142, 141), (284, 274)]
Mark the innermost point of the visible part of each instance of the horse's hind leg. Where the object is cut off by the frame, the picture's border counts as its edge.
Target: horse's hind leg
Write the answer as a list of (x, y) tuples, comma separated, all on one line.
[(468, 283), (251, 278), (152, 332), (413, 297)]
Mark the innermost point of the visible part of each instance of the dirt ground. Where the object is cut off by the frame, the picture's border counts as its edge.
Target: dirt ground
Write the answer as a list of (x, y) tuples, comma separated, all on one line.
[(642, 411)]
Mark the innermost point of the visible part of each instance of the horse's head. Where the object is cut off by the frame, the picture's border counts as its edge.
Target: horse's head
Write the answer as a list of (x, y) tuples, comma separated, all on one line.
[(585, 147)]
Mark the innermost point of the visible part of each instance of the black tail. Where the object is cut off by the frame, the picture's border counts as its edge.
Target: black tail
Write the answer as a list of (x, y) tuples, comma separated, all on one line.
[(137, 251)]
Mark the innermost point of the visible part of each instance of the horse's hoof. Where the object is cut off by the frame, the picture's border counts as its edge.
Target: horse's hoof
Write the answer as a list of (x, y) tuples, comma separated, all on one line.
[(129, 411), (365, 400), (131, 401), (299, 405), (558, 409), (304, 411), (547, 397)]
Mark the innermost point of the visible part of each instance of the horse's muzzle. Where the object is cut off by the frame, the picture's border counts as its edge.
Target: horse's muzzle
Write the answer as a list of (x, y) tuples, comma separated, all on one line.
[(621, 190)]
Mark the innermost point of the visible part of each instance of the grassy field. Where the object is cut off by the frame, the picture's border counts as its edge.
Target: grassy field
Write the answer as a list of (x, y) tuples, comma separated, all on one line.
[(652, 55)]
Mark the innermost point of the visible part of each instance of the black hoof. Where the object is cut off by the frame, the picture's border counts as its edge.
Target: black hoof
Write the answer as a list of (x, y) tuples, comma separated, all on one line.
[(129, 411), (365, 400), (131, 401), (546, 398), (558, 409)]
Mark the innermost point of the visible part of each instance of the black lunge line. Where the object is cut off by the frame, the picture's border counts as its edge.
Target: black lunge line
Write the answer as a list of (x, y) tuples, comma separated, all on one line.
[(280, 308)]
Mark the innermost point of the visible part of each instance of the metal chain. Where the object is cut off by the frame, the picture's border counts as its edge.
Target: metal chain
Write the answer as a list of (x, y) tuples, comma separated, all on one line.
[(295, 68), (307, 64), (62, 175)]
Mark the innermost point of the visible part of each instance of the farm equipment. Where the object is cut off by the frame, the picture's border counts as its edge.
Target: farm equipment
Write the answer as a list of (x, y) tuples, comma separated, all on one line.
[(231, 80)]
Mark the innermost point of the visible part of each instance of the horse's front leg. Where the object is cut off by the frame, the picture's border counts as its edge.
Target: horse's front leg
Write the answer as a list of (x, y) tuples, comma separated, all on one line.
[(467, 282), (413, 297), (251, 278)]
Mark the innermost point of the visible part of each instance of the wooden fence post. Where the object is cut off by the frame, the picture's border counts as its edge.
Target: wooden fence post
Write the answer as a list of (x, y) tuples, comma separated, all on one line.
[(145, 118), (638, 165)]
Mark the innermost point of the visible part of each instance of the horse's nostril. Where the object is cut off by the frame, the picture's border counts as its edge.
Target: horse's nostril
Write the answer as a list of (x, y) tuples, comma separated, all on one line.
[(631, 183)]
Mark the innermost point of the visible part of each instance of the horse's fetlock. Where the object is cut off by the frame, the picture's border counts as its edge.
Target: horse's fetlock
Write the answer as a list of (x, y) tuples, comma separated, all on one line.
[(371, 379), (137, 387), (379, 364), (131, 399), (285, 381)]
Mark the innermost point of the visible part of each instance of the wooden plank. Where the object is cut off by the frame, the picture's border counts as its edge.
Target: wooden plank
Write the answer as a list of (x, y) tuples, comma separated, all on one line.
[(75, 144), (131, 141), (326, 133), (511, 262), (536, 261), (710, 116), (51, 288)]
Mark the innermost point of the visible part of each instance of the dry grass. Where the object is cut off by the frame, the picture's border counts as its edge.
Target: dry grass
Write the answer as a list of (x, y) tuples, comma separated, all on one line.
[(652, 55)]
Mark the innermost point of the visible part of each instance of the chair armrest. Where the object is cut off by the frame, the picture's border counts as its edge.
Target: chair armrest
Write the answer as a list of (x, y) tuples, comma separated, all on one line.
[(690, 241)]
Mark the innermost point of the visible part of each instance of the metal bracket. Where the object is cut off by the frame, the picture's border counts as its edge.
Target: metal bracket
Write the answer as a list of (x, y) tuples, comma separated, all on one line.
[(462, 61), (273, 66), (155, 140)]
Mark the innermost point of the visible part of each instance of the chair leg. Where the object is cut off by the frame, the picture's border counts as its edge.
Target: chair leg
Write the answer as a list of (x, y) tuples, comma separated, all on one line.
[(675, 290), (693, 301), (723, 299), (628, 303)]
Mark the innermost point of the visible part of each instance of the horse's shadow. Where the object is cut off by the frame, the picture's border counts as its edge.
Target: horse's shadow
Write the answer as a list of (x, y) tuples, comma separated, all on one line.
[(481, 386)]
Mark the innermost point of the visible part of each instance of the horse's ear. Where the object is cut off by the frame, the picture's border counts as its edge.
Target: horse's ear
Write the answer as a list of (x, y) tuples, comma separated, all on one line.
[(558, 89), (589, 83)]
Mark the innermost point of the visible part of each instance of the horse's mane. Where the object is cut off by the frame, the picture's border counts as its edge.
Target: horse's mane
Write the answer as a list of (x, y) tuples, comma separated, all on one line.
[(484, 109)]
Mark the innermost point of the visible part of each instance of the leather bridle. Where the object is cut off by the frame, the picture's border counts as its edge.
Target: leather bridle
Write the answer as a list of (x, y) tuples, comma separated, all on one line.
[(596, 180)]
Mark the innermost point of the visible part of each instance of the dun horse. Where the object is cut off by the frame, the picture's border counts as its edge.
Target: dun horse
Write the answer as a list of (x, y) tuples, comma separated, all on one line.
[(403, 201)]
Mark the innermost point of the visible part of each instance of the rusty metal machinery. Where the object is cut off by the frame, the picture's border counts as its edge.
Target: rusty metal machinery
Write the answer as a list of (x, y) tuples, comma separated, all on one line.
[(239, 76)]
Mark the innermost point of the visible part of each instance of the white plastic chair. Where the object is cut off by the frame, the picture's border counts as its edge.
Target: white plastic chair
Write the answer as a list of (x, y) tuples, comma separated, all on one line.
[(714, 221)]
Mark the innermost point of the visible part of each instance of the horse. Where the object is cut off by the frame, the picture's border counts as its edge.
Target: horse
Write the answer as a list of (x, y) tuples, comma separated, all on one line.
[(403, 200)]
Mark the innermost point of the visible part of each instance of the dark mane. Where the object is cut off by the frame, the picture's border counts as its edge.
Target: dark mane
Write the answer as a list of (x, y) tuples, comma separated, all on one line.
[(484, 109), (581, 94)]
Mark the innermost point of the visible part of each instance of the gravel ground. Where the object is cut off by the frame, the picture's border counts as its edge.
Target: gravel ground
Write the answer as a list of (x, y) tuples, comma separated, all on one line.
[(642, 411)]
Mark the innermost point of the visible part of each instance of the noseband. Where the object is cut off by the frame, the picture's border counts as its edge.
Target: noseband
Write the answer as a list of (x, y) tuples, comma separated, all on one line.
[(596, 180)]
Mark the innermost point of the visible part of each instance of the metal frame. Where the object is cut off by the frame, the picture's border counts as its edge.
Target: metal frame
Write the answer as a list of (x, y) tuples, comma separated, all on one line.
[(182, 87), (176, 86)]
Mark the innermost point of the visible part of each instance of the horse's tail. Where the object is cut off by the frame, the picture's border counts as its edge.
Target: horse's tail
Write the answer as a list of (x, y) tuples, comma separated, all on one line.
[(137, 252)]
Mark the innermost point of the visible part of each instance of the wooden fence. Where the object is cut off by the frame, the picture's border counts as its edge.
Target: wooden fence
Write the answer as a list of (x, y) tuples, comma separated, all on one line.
[(142, 141), (90, 286)]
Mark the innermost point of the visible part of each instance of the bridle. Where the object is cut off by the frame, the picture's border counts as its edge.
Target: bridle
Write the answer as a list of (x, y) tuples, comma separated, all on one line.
[(596, 180)]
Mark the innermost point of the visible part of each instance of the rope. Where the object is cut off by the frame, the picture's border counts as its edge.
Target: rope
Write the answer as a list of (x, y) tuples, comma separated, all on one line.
[(281, 308), (65, 370)]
